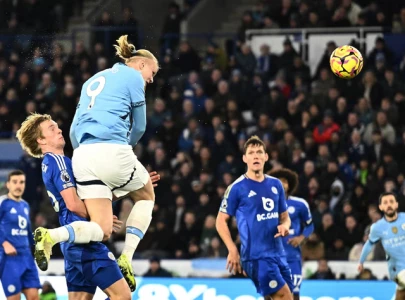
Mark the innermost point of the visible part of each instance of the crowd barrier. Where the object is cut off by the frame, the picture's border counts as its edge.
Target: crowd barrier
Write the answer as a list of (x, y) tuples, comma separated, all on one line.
[(237, 289), (204, 267)]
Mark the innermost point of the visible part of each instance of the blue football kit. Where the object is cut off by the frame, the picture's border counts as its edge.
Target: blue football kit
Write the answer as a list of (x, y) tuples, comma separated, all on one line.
[(257, 207), (87, 266), (301, 224), (111, 109), (17, 272)]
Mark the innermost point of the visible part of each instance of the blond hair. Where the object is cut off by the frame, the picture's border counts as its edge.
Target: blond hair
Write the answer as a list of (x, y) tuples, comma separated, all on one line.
[(30, 132), (127, 51)]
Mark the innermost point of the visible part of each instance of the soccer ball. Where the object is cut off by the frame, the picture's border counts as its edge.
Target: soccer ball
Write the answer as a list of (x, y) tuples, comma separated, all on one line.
[(346, 62)]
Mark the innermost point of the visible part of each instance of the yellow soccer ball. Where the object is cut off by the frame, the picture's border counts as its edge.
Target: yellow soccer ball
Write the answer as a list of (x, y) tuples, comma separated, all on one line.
[(346, 62)]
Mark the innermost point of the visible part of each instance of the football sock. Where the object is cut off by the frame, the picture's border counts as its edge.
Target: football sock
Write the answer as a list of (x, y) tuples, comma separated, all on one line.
[(137, 224)]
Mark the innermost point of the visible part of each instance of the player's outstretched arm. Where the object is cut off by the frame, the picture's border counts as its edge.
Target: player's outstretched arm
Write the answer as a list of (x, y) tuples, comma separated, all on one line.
[(367, 248), (233, 261)]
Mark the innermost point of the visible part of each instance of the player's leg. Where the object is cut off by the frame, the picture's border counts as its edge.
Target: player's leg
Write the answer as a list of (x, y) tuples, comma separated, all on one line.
[(110, 280), (30, 279), (77, 285), (31, 293), (11, 277), (80, 296), (140, 189), (296, 274), (14, 297), (271, 280)]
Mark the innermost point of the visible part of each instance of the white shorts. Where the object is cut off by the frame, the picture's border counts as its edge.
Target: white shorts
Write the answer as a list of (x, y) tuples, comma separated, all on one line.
[(103, 169)]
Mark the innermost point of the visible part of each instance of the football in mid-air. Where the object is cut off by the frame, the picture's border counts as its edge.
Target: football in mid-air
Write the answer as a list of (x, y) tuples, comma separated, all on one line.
[(346, 62)]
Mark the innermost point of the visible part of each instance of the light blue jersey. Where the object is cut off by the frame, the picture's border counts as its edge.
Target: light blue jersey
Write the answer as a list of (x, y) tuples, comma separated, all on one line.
[(111, 108), (392, 237)]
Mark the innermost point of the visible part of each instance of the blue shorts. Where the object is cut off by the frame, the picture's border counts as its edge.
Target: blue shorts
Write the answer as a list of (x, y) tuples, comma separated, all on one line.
[(90, 266), (296, 273), (19, 273), (268, 274)]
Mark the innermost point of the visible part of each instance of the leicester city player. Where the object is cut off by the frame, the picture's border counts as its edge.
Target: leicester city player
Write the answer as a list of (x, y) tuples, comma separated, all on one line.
[(390, 230), (301, 225), (87, 265), (18, 271), (258, 203)]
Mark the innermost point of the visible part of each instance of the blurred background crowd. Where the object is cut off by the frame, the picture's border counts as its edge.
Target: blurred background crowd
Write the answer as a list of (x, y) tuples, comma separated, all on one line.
[(345, 139)]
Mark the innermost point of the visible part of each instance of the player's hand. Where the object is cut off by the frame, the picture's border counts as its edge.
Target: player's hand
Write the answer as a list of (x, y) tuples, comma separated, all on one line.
[(296, 241), (360, 268), (9, 249), (282, 231), (154, 177), (116, 224), (233, 262)]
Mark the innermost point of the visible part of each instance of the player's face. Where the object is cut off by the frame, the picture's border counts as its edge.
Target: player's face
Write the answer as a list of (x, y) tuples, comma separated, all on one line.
[(255, 157), (285, 185), (16, 186), (389, 206), (148, 70), (52, 135)]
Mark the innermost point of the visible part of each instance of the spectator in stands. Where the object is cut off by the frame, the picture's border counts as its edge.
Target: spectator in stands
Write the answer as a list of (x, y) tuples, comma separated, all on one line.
[(366, 274), (380, 48), (399, 24), (247, 23), (323, 132), (380, 126), (313, 248), (155, 269), (267, 64), (329, 232), (323, 272), (353, 10), (355, 252), (48, 292)]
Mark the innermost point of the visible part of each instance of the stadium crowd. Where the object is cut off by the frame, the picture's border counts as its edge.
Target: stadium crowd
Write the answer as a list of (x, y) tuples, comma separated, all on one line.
[(345, 139)]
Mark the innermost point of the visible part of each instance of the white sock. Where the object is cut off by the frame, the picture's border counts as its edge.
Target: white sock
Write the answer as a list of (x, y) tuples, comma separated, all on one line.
[(137, 224), (60, 234), (79, 232)]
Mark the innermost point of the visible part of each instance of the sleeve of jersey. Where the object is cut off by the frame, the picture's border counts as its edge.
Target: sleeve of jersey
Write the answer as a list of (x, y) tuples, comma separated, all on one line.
[(136, 87), (307, 219), (230, 202), (30, 236), (282, 203), (2, 235), (138, 124), (61, 172), (373, 236), (72, 133)]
